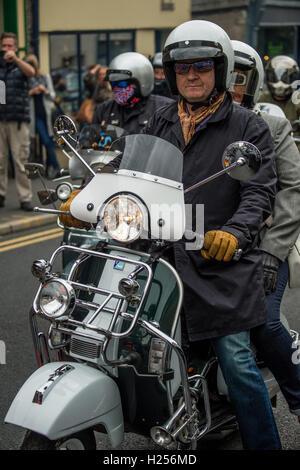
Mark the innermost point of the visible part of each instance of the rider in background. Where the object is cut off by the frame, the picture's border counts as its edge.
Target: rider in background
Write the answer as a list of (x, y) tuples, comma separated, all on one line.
[(279, 232), (160, 84), (223, 298), (131, 78), (282, 74)]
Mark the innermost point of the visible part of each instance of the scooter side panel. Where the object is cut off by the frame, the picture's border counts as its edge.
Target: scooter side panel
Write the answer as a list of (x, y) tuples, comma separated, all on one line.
[(80, 399)]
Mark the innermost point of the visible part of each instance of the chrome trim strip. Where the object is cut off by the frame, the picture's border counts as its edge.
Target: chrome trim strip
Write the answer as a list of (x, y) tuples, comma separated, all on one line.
[(42, 392)]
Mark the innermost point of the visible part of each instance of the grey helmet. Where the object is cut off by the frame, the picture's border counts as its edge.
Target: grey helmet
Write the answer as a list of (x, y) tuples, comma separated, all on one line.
[(197, 39), (157, 60), (132, 66), (248, 60), (281, 72)]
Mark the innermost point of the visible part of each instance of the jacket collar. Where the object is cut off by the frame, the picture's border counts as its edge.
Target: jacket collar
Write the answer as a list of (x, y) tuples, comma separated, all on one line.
[(170, 113)]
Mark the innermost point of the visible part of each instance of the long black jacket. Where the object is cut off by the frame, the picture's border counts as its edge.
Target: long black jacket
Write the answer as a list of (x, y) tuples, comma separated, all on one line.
[(222, 298), (17, 97), (131, 119)]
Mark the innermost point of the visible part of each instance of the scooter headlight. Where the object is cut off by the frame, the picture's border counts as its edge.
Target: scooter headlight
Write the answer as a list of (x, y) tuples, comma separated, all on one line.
[(57, 299), (63, 191), (123, 218)]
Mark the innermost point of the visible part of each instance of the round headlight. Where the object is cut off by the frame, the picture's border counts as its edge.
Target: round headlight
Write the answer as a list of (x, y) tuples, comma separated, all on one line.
[(123, 218), (63, 191), (57, 299)]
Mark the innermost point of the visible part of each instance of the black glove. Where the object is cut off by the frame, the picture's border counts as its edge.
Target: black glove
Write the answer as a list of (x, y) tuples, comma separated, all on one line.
[(270, 266)]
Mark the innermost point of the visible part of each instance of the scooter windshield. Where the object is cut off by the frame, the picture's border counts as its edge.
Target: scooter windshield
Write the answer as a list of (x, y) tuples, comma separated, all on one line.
[(152, 155)]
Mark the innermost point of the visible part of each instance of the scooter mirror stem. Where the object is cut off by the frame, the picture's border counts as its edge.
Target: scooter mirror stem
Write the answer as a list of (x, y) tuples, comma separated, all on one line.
[(240, 162), (50, 211), (79, 156)]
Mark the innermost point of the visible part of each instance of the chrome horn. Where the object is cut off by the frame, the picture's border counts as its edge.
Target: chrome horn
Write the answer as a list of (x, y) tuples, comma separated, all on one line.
[(167, 434), (164, 436)]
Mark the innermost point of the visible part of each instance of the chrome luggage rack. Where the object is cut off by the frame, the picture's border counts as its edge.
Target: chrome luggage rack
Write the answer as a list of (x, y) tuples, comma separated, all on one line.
[(86, 254)]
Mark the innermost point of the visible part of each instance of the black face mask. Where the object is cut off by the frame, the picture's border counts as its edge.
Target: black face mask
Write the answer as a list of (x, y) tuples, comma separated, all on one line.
[(160, 87)]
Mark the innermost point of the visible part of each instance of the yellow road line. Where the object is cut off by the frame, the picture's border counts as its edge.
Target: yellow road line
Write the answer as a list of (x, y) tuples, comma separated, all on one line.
[(27, 237), (30, 242)]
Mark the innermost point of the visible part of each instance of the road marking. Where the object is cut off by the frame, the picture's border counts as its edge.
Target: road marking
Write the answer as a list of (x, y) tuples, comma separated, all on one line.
[(30, 242), (28, 237)]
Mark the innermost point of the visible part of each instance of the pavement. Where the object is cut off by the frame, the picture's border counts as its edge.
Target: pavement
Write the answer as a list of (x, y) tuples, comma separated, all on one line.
[(13, 219)]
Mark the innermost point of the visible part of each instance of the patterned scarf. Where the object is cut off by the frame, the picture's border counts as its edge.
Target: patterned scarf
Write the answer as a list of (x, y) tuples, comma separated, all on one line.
[(190, 121), (125, 95)]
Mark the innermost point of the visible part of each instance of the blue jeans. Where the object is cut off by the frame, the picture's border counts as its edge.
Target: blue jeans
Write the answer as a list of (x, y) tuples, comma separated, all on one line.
[(247, 392), (41, 129), (275, 345)]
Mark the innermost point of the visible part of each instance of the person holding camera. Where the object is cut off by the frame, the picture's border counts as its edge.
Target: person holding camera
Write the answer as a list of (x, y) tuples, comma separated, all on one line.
[(14, 119)]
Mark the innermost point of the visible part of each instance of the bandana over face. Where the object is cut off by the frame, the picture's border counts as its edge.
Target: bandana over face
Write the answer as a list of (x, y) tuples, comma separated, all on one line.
[(123, 94)]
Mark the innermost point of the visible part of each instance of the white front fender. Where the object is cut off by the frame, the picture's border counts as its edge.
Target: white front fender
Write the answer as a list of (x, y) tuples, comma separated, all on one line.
[(62, 398)]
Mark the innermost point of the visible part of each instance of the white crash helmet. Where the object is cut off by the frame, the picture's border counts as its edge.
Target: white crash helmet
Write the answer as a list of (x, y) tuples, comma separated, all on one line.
[(281, 72), (132, 66), (197, 39), (248, 60)]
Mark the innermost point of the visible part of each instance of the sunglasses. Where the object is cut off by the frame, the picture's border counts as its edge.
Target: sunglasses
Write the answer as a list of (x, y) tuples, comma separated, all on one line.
[(200, 66), (239, 78), (122, 84)]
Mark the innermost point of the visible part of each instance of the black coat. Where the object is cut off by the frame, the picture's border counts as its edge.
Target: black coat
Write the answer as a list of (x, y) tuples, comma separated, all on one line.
[(131, 119), (222, 297), (17, 93)]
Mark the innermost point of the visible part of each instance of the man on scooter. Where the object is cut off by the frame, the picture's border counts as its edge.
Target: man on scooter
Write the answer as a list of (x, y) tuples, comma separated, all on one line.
[(224, 298), (279, 233), (131, 77)]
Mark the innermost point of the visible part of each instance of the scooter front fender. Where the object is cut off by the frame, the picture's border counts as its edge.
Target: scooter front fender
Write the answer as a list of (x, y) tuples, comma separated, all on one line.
[(62, 398)]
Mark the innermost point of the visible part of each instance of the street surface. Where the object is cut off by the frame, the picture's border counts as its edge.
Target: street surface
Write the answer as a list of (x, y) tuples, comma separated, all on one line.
[(18, 288)]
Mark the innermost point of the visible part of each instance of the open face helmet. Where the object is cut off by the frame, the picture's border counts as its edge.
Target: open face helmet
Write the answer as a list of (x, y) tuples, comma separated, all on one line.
[(250, 74), (281, 72), (197, 39), (133, 68)]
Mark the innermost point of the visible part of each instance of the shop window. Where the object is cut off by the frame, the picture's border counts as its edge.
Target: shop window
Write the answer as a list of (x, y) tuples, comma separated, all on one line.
[(67, 51), (276, 41), (64, 70)]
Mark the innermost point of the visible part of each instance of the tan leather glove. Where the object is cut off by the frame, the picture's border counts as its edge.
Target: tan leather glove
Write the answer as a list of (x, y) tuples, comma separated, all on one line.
[(219, 245), (69, 220)]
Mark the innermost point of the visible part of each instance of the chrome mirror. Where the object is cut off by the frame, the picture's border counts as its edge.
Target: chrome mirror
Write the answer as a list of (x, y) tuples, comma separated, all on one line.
[(65, 131), (244, 159)]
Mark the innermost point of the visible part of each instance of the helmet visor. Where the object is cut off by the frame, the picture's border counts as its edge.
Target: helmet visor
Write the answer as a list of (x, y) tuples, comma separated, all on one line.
[(243, 82), (191, 50), (118, 75)]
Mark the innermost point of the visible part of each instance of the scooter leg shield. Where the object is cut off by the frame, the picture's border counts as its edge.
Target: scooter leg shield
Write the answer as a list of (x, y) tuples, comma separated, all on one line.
[(62, 398)]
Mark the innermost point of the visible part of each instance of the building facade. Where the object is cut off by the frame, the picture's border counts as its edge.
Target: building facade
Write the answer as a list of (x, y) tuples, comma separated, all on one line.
[(272, 27), (70, 35)]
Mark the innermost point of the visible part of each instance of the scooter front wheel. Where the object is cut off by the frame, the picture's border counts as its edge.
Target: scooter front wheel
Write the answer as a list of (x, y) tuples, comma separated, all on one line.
[(84, 440)]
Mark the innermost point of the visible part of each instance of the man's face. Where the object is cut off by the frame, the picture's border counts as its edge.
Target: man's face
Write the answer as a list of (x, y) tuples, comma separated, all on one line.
[(194, 85), (8, 44), (159, 73), (238, 90)]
